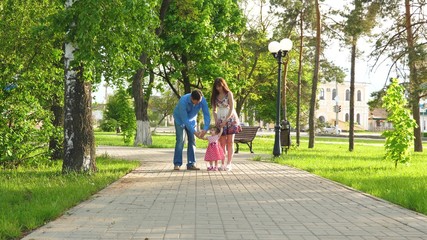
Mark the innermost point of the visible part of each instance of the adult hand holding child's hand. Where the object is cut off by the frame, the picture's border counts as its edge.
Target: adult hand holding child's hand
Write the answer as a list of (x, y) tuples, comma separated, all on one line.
[(202, 134)]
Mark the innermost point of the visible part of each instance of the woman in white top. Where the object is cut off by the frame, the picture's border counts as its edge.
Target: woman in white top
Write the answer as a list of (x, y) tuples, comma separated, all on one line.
[(225, 116)]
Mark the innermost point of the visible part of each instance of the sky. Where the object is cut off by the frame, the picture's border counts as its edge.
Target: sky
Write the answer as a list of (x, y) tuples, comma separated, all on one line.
[(376, 77)]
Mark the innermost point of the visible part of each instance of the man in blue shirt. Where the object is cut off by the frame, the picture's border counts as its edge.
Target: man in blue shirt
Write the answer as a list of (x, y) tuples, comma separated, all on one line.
[(185, 117)]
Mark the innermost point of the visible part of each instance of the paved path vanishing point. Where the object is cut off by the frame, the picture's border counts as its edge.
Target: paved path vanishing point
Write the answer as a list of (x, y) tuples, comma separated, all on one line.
[(257, 200)]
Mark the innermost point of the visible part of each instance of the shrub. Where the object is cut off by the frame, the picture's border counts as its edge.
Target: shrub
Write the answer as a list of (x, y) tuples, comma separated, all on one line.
[(25, 128), (399, 139)]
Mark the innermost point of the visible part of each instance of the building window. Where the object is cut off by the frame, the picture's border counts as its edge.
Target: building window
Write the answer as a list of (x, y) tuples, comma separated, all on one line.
[(359, 95), (346, 117), (358, 118), (322, 94), (334, 93), (347, 95)]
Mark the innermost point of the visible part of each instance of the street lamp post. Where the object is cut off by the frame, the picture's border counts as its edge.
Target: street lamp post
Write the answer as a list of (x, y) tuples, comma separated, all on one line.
[(279, 51)]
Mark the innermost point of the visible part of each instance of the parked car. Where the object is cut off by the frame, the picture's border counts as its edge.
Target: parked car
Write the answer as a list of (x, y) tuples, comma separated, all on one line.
[(331, 130)]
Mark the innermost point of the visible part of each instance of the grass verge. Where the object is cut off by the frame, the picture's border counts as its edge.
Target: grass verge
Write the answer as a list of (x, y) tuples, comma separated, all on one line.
[(364, 169), (31, 197)]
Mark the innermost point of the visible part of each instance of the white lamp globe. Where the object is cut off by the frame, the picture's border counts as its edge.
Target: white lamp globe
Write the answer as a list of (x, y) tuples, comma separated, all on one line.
[(286, 44), (274, 47)]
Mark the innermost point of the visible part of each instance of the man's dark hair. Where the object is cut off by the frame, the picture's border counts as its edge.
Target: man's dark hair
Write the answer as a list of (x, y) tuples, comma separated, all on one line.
[(196, 94)]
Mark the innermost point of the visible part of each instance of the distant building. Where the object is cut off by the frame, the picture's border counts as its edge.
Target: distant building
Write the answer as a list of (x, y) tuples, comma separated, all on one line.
[(331, 94), (423, 115), (378, 120)]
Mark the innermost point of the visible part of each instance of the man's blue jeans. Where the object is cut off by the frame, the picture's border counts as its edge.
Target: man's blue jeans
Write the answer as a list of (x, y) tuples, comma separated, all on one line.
[(179, 146)]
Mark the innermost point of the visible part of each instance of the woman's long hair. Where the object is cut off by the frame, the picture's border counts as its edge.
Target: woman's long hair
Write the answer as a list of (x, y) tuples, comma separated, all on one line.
[(219, 81)]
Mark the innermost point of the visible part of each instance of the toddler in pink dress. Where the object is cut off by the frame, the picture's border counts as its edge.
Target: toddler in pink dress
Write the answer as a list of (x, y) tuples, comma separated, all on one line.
[(214, 150)]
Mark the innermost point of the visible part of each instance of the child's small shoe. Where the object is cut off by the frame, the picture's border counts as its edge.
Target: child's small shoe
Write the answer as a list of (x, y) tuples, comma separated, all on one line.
[(215, 169), (210, 168)]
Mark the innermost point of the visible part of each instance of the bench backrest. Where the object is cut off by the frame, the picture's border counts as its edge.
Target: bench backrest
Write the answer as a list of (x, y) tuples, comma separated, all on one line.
[(247, 133)]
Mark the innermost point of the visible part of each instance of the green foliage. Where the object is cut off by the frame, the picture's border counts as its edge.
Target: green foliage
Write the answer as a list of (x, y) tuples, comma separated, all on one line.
[(120, 109), (361, 19), (398, 140), (263, 88), (198, 43), (331, 72), (162, 106), (30, 79), (376, 99), (111, 38), (108, 125), (25, 128)]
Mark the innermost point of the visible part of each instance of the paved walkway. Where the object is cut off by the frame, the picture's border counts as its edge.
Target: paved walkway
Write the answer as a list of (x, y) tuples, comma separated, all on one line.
[(257, 200)]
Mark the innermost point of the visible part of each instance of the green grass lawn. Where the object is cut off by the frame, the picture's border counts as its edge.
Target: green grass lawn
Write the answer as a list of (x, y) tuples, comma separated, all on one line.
[(31, 197), (364, 169)]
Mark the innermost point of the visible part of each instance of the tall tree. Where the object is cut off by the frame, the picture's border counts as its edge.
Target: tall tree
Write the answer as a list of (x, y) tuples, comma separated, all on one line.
[(100, 42), (199, 43), (141, 90), (79, 145), (300, 69), (404, 43), (299, 18), (414, 63), (254, 72), (359, 22), (311, 118)]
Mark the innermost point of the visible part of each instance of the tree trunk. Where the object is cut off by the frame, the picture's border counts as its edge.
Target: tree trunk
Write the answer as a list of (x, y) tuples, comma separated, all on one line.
[(284, 90), (137, 94), (298, 120), (315, 79), (413, 76), (184, 73), (55, 145), (143, 133), (79, 145), (352, 80)]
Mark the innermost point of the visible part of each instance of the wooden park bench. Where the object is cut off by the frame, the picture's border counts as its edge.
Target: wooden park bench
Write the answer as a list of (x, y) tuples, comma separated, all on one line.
[(247, 135)]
